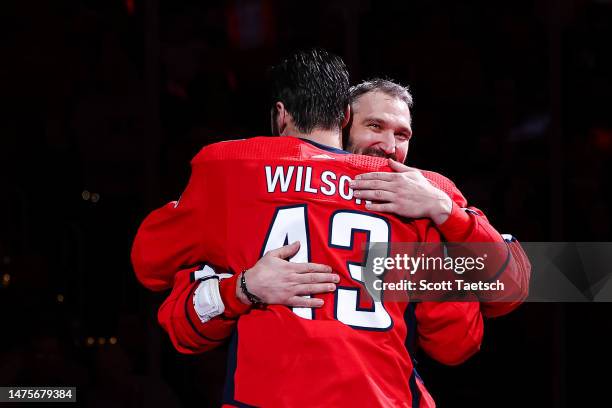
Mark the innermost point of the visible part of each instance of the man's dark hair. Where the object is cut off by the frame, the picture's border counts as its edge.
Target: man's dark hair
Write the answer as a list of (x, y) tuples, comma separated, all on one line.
[(314, 87), (382, 85)]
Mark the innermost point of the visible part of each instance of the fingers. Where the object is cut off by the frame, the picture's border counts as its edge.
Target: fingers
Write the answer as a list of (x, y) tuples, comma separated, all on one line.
[(314, 288), (299, 301), (317, 278), (372, 184), (400, 167), (376, 175), (385, 207), (307, 267), (286, 251), (374, 195)]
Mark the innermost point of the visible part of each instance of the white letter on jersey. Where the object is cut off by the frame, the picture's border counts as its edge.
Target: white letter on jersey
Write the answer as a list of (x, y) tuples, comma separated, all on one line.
[(307, 187), (331, 189), (298, 179), (344, 181), (279, 174)]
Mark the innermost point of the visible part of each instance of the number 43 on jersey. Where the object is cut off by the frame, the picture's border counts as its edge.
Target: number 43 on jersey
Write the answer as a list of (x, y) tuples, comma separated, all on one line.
[(290, 224)]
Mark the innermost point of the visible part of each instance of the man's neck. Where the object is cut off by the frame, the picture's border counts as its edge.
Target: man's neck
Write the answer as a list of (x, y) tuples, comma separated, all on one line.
[(331, 138)]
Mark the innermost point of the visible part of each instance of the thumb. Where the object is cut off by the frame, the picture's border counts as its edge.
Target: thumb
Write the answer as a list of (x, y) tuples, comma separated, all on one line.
[(398, 167), (286, 251)]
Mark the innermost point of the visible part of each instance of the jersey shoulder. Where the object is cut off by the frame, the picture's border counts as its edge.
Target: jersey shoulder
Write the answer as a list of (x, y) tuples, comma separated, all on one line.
[(445, 184), (441, 181), (251, 148), (286, 148)]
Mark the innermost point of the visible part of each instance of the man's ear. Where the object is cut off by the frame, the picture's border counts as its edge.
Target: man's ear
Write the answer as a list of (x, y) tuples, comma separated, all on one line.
[(280, 118), (347, 116)]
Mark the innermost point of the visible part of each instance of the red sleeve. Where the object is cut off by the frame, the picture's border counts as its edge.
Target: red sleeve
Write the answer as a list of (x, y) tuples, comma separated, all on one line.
[(449, 332), (469, 224), (171, 237), (517, 273), (178, 317), (169, 246)]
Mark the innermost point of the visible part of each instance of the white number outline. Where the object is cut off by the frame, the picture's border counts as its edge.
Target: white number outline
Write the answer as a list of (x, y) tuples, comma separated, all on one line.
[(304, 312)]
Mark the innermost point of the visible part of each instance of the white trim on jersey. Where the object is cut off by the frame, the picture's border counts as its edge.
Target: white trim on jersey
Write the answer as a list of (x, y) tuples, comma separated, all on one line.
[(508, 237), (207, 271), (469, 210)]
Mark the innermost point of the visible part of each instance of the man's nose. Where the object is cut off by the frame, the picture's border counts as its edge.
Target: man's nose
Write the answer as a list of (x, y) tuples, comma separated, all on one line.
[(387, 143)]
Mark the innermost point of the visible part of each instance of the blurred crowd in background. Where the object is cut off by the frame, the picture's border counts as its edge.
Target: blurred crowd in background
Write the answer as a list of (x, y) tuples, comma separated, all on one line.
[(107, 101)]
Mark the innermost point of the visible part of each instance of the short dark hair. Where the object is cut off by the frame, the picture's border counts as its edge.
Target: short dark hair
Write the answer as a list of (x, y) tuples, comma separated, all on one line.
[(314, 87), (386, 86)]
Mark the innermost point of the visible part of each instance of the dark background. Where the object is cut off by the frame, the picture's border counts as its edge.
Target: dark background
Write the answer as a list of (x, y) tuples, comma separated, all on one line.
[(106, 102)]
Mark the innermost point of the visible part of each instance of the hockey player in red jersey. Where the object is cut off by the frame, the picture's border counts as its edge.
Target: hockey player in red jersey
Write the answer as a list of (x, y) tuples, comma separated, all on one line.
[(192, 331), (381, 126)]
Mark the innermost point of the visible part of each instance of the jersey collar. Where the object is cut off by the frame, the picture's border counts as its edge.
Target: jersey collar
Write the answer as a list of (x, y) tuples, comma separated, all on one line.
[(325, 147)]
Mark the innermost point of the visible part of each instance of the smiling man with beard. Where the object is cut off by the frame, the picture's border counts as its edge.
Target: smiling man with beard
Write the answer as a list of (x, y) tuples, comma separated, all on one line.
[(381, 126)]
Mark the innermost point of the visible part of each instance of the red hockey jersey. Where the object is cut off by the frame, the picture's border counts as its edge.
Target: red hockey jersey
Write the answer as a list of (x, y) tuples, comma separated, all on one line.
[(156, 269), (247, 197)]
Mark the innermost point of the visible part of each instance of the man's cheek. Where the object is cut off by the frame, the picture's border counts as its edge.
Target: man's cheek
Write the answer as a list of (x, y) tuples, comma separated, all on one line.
[(401, 153)]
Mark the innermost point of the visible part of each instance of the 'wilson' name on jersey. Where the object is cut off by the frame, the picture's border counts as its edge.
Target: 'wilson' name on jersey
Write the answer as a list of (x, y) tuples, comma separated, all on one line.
[(285, 179)]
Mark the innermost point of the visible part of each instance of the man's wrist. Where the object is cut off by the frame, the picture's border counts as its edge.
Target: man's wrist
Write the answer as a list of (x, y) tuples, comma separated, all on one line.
[(240, 295), (458, 225), (442, 209), (252, 298)]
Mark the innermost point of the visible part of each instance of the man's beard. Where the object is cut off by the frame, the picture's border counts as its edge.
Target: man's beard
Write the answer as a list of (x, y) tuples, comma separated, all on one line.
[(375, 152)]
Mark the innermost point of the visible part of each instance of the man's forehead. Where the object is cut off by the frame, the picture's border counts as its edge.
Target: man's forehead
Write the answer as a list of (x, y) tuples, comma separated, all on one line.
[(379, 105)]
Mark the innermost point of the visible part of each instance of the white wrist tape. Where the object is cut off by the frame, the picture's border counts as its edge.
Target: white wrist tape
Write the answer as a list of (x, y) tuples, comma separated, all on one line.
[(207, 298)]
